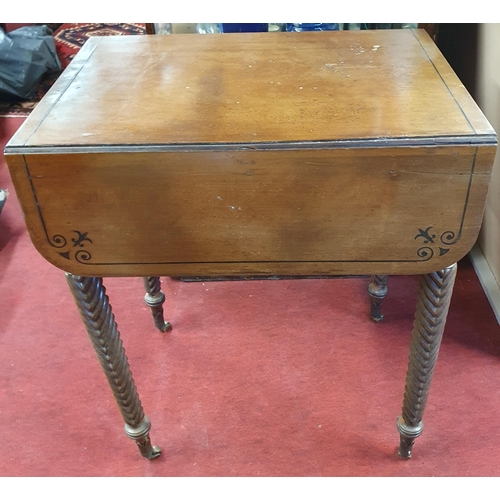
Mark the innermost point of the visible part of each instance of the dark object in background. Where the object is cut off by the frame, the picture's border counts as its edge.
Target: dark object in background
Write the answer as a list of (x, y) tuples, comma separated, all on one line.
[(3, 199), (312, 26), (244, 27), (459, 44), (26, 54)]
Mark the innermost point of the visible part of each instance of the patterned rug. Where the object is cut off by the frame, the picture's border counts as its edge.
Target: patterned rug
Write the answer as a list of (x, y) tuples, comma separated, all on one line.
[(69, 38)]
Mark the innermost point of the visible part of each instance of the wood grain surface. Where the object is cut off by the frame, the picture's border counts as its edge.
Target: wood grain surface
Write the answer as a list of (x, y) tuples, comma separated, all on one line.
[(260, 212), (255, 87), (255, 154)]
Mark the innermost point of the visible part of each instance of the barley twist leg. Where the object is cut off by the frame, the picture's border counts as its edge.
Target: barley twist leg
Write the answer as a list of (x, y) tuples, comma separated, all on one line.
[(377, 290), (155, 298), (430, 318), (95, 310)]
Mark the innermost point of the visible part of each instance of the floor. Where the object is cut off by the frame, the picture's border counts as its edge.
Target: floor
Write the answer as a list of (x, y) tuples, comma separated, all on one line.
[(256, 379)]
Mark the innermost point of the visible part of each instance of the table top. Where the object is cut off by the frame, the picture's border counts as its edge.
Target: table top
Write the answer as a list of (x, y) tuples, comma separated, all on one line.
[(256, 89), (314, 153)]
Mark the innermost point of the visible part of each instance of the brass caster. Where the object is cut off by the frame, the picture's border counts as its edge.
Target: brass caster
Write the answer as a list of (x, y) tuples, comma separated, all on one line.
[(405, 447), (149, 452), (408, 434), (140, 434)]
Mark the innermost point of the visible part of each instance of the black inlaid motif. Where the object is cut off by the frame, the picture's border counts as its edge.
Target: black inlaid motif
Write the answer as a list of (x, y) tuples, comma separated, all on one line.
[(81, 237), (446, 238), (80, 240)]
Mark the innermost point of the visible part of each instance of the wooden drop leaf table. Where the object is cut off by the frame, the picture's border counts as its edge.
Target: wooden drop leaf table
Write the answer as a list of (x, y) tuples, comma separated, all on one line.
[(255, 154)]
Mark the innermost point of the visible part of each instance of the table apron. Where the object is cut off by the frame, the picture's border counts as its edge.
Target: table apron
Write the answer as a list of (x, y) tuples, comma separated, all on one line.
[(400, 210)]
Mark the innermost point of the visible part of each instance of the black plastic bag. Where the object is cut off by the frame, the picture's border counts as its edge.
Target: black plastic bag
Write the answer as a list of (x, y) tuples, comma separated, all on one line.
[(3, 198), (26, 54)]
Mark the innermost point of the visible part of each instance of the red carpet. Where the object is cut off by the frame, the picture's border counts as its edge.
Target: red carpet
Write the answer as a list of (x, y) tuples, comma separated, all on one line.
[(260, 378)]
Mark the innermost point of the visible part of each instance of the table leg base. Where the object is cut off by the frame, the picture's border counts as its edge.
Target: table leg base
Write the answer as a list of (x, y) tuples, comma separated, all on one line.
[(408, 434), (405, 448), (377, 289), (95, 310), (140, 434), (430, 318), (148, 451), (155, 298)]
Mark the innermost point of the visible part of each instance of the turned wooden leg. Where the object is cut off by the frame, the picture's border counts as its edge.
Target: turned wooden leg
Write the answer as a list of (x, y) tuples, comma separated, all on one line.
[(430, 318), (378, 291), (95, 310), (155, 298)]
